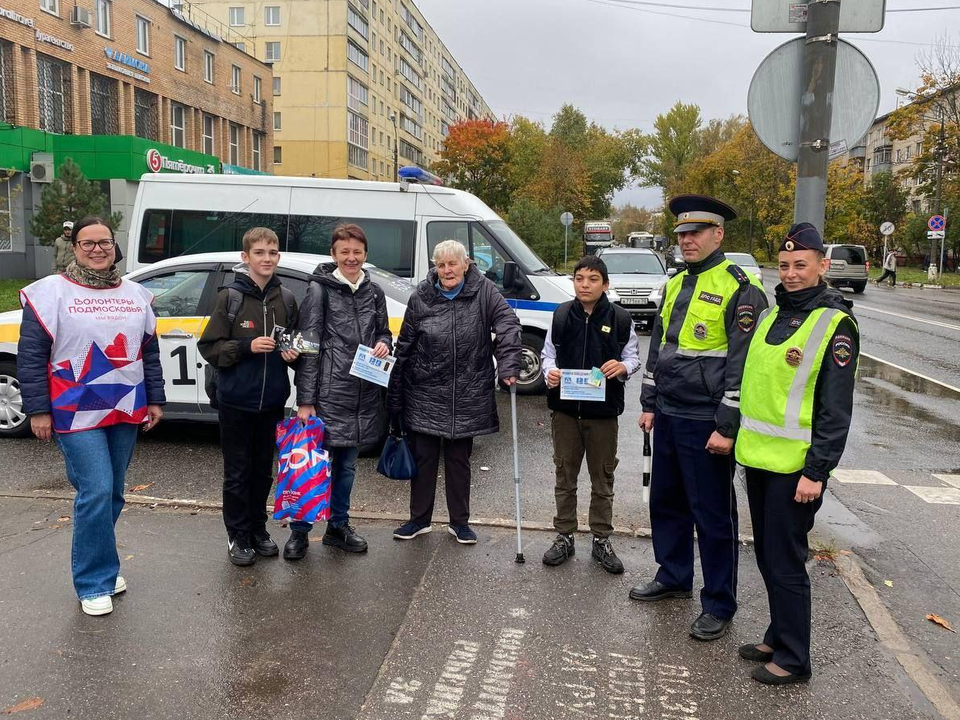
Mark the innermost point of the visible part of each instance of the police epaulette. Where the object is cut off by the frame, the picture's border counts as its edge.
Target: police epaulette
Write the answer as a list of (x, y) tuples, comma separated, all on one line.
[(738, 274)]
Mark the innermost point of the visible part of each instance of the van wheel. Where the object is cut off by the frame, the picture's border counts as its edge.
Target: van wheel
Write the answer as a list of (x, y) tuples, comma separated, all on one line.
[(531, 380), (858, 287), (13, 421)]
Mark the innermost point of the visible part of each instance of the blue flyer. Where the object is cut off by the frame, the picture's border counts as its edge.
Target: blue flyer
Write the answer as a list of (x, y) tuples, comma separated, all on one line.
[(576, 385), (373, 369)]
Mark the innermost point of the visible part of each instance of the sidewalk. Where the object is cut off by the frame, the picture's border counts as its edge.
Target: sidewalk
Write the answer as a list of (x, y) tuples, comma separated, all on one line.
[(420, 629)]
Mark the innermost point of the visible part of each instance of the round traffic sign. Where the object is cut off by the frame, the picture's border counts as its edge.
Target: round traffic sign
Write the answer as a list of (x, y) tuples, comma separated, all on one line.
[(887, 228), (773, 102), (566, 219), (937, 222)]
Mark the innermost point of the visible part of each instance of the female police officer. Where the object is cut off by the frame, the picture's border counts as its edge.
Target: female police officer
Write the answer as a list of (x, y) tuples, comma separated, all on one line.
[(795, 407)]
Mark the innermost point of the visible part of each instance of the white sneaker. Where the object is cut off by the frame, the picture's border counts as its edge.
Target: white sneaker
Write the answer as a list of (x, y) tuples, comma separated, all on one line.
[(121, 585), (101, 605)]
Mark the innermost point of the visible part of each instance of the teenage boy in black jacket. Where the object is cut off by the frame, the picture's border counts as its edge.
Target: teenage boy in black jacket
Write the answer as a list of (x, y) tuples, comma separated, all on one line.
[(252, 389)]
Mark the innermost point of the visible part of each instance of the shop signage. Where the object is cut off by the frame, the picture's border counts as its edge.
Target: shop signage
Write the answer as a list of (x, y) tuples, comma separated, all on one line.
[(16, 17), (31, 23), (48, 38), (156, 162), (129, 61)]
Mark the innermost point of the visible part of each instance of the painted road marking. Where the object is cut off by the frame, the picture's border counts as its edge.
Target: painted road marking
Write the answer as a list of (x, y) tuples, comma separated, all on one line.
[(448, 691), (935, 495), (911, 318), (497, 679), (949, 479), (862, 477)]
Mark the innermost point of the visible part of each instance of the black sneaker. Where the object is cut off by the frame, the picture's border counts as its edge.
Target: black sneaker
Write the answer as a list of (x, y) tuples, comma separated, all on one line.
[(345, 538), (411, 529), (603, 553), (264, 545), (561, 550), (296, 547), (464, 534), (239, 550)]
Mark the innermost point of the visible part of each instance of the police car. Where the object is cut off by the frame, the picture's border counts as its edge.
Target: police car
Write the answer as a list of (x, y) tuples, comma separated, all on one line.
[(185, 290)]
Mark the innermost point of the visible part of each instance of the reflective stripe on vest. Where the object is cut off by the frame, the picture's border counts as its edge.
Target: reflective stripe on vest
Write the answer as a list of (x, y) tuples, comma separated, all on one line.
[(776, 426)]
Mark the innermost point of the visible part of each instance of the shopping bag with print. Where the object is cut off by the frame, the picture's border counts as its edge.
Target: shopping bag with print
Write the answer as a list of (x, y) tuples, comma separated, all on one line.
[(303, 476)]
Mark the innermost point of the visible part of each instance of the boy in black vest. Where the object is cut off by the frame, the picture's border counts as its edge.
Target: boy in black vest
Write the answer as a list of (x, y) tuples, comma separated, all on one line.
[(589, 332)]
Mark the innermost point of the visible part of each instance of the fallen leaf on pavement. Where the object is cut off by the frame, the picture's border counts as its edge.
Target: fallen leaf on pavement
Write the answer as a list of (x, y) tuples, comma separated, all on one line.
[(140, 488), (940, 621), (29, 704), (129, 557), (248, 582), (888, 583), (63, 518)]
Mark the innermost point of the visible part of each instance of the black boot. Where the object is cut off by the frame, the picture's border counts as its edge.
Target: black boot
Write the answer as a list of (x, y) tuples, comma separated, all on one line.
[(345, 538), (239, 550), (296, 546), (263, 544), (603, 553), (561, 550)]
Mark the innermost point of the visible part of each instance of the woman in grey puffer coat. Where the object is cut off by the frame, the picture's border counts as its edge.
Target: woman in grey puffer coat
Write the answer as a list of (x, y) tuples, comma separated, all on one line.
[(444, 381), (346, 309)]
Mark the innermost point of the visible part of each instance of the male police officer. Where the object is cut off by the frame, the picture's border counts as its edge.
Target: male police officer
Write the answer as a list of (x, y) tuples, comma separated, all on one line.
[(691, 398)]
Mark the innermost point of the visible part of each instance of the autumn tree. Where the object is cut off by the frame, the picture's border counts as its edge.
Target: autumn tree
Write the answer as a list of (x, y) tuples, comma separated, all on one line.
[(671, 148), (476, 158)]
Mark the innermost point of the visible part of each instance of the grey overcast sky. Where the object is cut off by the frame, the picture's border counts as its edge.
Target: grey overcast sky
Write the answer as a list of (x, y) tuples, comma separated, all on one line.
[(622, 65)]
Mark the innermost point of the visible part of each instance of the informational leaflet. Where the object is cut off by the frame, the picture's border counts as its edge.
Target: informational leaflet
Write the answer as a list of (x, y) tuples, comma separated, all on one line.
[(577, 385), (373, 369)]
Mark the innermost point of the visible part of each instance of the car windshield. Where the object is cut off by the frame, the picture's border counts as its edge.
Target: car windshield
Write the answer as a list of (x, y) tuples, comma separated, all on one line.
[(623, 263), (517, 248), (742, 259)]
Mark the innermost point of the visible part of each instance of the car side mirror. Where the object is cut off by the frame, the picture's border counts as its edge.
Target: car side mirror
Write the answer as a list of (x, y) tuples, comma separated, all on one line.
[(512, 278), (671, 272)]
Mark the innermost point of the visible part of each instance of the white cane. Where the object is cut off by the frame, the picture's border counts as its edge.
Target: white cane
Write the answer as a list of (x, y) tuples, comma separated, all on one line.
[(647, 463), (516, 469)]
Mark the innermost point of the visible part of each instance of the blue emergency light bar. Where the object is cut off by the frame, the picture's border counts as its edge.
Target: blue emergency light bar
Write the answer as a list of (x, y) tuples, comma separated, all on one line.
[(412, 173)]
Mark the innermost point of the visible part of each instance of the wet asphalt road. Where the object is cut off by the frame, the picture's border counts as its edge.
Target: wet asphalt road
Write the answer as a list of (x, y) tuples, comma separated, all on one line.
[(425, 629)]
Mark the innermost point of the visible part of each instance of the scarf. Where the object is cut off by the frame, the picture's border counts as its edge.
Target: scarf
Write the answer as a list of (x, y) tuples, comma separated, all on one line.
[(97, 279)]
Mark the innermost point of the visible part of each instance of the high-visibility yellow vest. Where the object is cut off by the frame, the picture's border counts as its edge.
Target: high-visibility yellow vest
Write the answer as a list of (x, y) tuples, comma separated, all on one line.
[(777, 392), (704, 331)]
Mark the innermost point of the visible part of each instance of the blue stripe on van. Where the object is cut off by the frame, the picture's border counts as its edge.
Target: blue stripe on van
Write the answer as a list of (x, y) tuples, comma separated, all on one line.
[(533, 305)]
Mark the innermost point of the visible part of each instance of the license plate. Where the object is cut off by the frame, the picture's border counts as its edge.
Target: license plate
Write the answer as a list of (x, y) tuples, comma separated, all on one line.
[(633, 301)]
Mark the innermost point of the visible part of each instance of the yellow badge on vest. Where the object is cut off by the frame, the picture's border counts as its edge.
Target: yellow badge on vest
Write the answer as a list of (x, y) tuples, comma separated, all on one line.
[(794, 356), (605, 328)]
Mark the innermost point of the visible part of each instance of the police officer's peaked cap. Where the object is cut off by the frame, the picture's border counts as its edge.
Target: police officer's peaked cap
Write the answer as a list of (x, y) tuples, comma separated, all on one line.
[(695, 212), (802, 236)]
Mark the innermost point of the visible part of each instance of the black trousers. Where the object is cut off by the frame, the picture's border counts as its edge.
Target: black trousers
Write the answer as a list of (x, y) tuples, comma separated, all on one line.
[(248, 440), (892, 274), (780, 527), (456, 472)]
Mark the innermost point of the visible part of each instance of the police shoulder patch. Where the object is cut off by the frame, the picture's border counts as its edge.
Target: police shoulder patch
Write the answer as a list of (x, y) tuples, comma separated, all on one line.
[(746, 317), (738, 274), (842, 350)]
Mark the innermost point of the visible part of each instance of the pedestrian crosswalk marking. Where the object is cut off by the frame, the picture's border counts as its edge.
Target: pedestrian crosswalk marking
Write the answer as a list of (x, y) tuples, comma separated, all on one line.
[(862, 477), (936, 495), (949, 479)]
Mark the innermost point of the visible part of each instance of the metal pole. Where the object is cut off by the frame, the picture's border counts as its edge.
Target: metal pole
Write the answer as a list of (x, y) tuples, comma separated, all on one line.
[(566, 234), (943, 243), (938, 197), (750, 232), (516, 469), (816, 110)]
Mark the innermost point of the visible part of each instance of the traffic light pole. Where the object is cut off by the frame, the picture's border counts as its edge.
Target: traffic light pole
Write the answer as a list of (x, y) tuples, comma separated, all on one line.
[(816, 110)]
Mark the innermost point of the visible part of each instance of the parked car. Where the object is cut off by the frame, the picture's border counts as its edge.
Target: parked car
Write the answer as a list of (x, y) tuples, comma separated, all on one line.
[(185, 291), (747, 262), (848, 266), (636, 275), (673, 257)]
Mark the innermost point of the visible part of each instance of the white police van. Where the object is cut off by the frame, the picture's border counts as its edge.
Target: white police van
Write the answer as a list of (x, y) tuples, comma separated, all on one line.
[(178, 215)]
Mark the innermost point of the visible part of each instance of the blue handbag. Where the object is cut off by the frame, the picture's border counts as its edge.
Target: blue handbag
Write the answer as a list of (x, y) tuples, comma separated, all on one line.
[(396, 458)]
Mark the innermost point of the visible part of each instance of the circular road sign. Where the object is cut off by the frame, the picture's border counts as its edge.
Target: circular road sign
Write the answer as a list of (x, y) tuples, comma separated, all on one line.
[(566, 219), (887, 228), (773, 101), (937, 222)]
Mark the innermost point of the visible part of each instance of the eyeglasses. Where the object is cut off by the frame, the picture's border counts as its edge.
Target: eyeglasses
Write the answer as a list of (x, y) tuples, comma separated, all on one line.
[(88, 245)]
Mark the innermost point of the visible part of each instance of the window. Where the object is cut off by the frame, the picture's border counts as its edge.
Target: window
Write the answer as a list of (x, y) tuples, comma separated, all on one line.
[(143, 35), (235, 79), (409, 73), (102, 11), (277, 124), (179, 53), (357, 130), (6, 237), (177, 294), (277, 155), (234, 144), (51, 6), (208, 137), (357, 95), (241, 46), (356, 21), (103, 105), (411, 22), (257, 96), (177, 125), (411, 101), (257, 146), (236, 17), (411, 152), (276, 86), (271, 15), (357, 56), (272, 52), (411, 127), (208, 66), (146, 123), (53, 90), (8, 101)]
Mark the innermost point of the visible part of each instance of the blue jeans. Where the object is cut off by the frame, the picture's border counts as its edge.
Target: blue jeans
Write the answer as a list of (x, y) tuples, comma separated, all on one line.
[(343, 470), (96, 463)]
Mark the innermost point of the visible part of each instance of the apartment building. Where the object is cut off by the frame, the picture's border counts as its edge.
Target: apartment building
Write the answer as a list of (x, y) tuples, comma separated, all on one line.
[(359, 86)]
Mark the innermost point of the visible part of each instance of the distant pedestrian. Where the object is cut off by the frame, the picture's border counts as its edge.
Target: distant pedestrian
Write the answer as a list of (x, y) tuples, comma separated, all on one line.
[(795, 407), (443, 384), (587, 332), (63, 248), (889, 269), (89, 369)]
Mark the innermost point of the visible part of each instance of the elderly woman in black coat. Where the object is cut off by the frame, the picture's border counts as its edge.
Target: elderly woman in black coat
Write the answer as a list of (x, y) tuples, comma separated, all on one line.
[(443, 384)]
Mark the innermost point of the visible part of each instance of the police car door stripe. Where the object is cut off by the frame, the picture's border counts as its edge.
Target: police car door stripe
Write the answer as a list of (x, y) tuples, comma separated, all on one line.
[(802, 434), (533, 305), (791, 417)]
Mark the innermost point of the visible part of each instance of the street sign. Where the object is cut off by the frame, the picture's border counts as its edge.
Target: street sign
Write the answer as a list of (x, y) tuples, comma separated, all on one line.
[(773, 101), (935, 234), (790, 16), (566, 219), (937, 222), (887, 228)]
